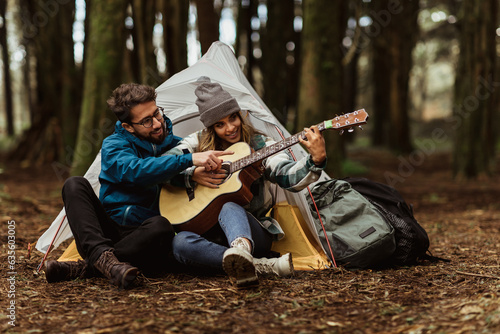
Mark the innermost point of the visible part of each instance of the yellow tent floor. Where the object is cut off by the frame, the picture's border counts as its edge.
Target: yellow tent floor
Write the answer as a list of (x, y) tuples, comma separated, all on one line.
[(71, 253), (306, 252)]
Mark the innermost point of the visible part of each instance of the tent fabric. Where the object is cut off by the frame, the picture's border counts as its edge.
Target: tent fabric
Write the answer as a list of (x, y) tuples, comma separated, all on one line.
[(59, 230), (307, 255), (71, 253), (176, 96)]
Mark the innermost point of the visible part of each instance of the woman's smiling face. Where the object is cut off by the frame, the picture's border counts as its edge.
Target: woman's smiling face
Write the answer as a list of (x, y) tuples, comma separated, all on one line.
[(228, 129)]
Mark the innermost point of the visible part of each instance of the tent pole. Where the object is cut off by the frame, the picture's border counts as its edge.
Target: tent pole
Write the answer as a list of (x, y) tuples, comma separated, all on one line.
[(323, 226), (50, 246)]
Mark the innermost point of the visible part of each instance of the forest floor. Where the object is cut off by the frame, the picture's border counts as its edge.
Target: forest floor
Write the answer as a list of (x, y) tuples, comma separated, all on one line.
[(462, 296)]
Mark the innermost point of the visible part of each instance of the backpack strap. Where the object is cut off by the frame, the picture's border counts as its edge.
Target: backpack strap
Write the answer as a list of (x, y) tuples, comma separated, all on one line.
[(428, 256)]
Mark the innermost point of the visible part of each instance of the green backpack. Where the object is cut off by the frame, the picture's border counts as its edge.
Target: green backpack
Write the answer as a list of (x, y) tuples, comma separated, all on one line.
[(354, 229)]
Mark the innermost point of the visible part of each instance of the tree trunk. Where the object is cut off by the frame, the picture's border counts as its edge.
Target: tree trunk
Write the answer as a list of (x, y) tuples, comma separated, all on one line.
[(9, 110), (244, 46), (47, 32), (320, 93), (102, 74), (393, 32), (350, 60), (71, 81), (208, 23), (175, 29), (475, 86), (144, 14), (131, 63), (275, 68)]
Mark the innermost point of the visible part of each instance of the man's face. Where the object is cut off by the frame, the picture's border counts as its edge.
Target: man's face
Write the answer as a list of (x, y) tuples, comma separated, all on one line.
[(141, 115)]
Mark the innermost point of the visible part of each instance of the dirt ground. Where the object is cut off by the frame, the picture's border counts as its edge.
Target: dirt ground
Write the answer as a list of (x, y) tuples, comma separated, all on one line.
[(462, 220)]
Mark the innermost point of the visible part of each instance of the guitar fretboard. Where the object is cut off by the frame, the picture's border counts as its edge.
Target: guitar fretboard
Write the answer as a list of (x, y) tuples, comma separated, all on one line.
[(269, 150), (339, 122)]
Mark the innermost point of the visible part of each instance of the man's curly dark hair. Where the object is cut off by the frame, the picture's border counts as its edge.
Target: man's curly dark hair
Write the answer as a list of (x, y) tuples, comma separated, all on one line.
[(127, 96)]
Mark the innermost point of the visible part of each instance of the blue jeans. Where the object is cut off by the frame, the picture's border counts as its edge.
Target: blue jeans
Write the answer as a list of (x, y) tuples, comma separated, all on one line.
[(195, 250)]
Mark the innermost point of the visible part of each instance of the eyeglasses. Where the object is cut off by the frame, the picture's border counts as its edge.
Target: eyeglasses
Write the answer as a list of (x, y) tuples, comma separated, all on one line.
[(148, 121)]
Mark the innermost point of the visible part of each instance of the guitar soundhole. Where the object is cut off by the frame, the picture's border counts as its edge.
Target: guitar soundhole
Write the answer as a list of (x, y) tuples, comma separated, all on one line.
[(226, 165)]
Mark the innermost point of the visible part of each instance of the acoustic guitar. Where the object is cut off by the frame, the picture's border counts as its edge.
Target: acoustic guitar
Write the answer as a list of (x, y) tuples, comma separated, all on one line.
[(198, 211)]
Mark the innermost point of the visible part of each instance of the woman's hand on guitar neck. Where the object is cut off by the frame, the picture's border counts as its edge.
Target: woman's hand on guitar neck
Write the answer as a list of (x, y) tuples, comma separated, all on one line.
[(209, 159), (209, 179), (315, 144)]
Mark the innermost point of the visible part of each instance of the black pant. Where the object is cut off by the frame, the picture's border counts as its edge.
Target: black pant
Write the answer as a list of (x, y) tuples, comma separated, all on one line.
[(148, 246)]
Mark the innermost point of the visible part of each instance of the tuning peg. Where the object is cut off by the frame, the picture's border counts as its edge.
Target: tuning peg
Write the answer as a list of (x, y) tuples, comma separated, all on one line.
[(341, 132), (350, 130), (360, 127)]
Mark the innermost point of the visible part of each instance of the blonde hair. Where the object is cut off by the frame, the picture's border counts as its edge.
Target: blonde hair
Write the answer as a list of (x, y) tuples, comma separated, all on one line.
[(210, 141)]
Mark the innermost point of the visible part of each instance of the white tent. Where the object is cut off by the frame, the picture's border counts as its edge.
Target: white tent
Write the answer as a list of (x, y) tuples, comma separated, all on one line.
[(177, 96)]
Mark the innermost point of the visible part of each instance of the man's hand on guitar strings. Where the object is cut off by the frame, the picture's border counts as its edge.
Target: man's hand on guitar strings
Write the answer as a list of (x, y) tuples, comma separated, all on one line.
[(315, 144), (209, 179), (209, 159)]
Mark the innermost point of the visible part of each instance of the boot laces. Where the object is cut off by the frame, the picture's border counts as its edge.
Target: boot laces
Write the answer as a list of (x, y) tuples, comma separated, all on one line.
[(106, 262), (77, 269)]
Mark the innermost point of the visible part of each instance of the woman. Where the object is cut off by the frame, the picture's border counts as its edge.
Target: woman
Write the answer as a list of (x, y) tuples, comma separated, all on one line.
[(240, 232)]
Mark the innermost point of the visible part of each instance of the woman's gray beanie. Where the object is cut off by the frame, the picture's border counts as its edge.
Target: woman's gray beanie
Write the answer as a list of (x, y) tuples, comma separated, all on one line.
[(213, 102)]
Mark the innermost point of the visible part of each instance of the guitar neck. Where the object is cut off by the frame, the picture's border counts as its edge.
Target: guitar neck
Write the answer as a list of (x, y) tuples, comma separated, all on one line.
[(339, 123), (269, 150)]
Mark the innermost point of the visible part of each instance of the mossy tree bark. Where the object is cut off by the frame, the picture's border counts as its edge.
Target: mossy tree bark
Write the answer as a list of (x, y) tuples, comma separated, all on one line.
[(103, 67), (48, 35), (7, 82)]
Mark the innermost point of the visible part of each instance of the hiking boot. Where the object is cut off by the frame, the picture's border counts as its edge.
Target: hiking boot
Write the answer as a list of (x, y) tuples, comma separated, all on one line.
[(119, 273), (280, 266), (56, 271), (238, 264)]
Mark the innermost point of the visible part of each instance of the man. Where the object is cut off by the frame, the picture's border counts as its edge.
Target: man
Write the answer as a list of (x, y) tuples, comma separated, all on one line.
[(122, 231)]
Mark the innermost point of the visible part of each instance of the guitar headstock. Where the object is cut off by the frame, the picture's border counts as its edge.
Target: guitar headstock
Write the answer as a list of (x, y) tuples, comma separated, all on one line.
[(347, 121)]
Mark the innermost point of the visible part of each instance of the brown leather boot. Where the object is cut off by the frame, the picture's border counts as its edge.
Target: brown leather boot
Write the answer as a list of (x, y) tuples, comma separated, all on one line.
[(119, 273), (56, 271)]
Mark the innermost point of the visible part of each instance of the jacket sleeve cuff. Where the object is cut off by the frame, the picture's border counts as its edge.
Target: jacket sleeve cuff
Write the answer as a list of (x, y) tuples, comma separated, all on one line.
[(313, 167)]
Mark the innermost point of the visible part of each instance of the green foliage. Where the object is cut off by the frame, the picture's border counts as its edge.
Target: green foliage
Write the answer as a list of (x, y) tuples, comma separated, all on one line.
[(353, 168), (7, 143)]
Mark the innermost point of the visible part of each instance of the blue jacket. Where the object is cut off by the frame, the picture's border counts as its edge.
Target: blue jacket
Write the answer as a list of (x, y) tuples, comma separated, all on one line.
[(132, 171)]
